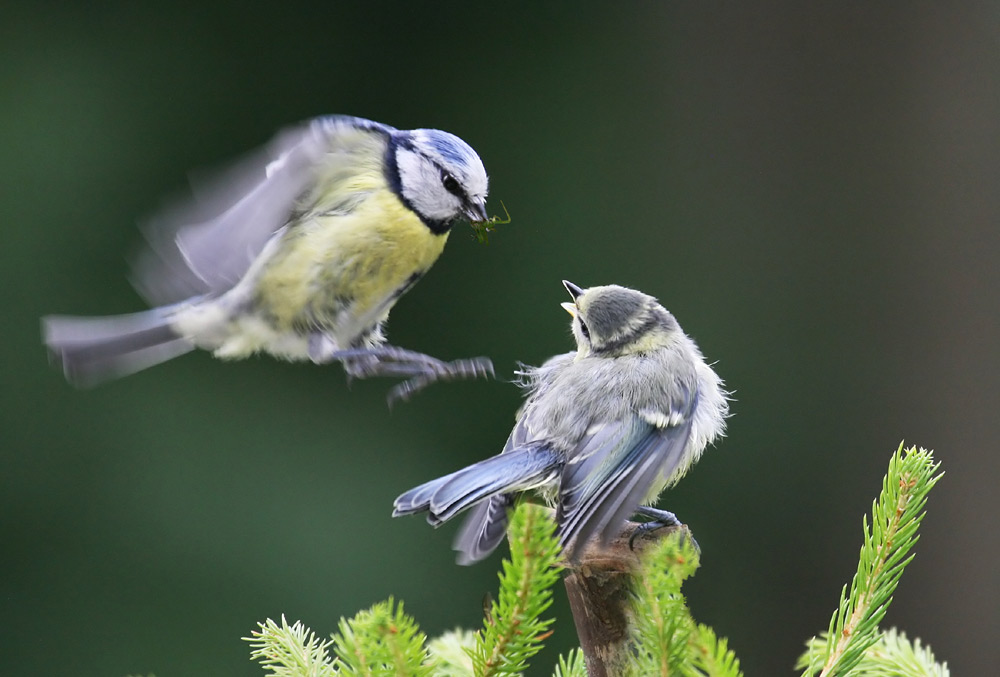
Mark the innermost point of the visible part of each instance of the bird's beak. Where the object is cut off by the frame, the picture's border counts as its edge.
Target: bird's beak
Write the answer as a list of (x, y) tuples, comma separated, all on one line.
[(569, 308), (475, 211), (573, 290)]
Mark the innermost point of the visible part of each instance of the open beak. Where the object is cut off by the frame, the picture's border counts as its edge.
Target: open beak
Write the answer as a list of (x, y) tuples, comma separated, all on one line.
[(475, 210), (573, 290)]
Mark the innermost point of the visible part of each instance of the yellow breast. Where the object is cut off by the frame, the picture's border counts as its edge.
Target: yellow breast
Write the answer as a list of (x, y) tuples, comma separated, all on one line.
[(342, 266)]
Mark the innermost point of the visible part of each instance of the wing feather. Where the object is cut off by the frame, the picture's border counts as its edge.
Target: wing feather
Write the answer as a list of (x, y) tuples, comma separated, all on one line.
[(623, 462), (207, 244)]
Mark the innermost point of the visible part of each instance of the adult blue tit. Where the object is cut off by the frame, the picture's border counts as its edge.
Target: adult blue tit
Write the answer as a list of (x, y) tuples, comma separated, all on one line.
[(603, 431), (300, 251)]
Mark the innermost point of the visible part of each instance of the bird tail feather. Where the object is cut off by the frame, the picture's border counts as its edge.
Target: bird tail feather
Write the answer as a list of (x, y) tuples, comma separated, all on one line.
[(92, 350), (483, 529), (495, 479)]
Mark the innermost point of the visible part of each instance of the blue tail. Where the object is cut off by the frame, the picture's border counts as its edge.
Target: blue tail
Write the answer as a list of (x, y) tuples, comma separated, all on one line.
[(483, 529), (495, 479)]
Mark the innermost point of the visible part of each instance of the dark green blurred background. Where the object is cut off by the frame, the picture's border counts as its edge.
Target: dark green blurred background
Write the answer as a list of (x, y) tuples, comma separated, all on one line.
[(812, 191)]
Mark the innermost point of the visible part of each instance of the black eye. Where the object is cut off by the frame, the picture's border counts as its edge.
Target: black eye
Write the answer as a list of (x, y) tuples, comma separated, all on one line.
[(584, 330), (451, 184)]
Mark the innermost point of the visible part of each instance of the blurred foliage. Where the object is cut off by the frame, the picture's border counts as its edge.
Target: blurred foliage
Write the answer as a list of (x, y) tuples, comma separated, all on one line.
[(384, 640), (810, 189)]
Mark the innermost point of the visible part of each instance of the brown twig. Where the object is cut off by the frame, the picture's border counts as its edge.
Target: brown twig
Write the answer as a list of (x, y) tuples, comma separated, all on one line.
[(599, 591)]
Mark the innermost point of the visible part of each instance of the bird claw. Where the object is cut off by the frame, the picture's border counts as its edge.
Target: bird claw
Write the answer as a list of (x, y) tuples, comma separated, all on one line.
[(419, 369), (659, 519), (475, 367)]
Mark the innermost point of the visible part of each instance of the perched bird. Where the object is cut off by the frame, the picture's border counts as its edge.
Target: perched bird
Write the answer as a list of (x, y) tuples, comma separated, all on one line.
[(300, 251), (604, 429)]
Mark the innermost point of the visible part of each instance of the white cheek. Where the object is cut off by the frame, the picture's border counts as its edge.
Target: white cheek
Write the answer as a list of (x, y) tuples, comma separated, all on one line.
[(410, 167), (421, 185)]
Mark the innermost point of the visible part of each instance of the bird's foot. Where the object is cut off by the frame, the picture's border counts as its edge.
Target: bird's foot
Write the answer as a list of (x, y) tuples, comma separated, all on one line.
[(418, 369), (658, 519)]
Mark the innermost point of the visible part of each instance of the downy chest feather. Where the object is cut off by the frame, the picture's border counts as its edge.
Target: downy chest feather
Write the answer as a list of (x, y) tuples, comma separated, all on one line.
[(337, 261)]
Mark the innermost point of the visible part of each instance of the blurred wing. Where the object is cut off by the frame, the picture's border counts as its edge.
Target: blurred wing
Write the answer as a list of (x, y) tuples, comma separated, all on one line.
[(621, 461), (206, 245)]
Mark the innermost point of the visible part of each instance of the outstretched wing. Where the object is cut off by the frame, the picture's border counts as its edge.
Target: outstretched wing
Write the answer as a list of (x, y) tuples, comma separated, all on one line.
[(619, 464), (205, 245)]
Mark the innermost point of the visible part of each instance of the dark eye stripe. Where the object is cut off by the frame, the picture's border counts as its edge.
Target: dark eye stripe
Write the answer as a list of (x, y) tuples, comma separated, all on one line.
[(631, 336), (452, 185)]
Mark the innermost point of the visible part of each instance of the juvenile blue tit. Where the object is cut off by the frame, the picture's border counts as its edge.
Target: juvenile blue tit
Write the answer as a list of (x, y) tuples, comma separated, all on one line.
[(300, 251), (604, 429)]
